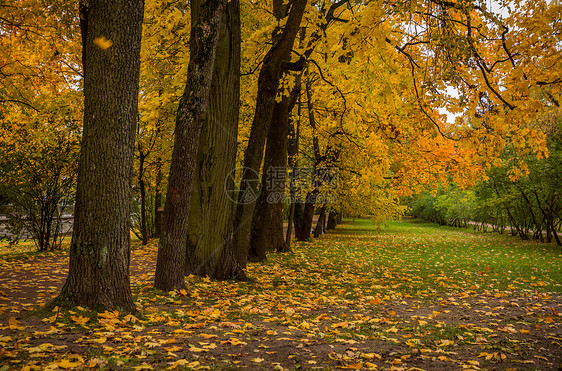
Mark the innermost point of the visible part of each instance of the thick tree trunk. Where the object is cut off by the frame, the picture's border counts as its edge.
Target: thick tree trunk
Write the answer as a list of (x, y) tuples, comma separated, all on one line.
[(268, 83), (319, 230), (292, 157), (98, 274), (276, 231), (273, 181), (267, 227), (209, 242), (307, 216), (332, 219), (142, 186), (289, 232), (298, 218), (308, 213), (192, 112)]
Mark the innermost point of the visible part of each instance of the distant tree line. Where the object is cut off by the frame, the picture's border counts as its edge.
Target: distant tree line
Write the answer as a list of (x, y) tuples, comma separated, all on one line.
[(529, 206)]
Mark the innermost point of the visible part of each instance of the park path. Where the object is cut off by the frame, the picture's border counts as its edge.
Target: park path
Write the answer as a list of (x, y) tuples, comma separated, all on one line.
[(27, 283), (297, 314)]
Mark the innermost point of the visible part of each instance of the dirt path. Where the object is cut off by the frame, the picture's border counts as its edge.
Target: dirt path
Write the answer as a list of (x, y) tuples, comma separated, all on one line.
[(32, 282), (276, 323)]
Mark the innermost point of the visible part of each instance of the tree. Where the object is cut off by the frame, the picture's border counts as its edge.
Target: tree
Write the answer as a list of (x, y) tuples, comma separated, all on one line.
[(100, 249), (37, 179), (40, 116), (209, 240), (190, 119), (268, 83), (267, 221), (163, 71)]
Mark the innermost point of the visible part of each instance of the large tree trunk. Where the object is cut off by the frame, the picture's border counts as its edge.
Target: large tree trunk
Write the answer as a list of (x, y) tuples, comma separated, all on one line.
[(264, 231), (298, 218), (332, 219), (98, 273), (268, 83), (307, 216), (310, 200), (142, 186), (276, 230), (319, 230), (292, 157), (267, 223), (191, 116), (209, 242)]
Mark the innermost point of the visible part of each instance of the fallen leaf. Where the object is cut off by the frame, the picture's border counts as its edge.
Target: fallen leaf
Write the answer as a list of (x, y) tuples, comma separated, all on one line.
[(102, 42)]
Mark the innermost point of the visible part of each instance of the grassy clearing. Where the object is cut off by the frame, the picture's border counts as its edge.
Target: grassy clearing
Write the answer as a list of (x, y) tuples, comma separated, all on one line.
[(416, 259), (409, 295)]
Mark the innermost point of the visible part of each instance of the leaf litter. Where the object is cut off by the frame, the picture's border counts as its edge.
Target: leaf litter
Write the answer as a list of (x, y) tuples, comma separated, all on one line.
[(411, 296)]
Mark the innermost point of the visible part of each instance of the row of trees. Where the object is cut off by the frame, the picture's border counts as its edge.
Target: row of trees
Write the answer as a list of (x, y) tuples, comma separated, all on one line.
[(173, 104), (528, 205)]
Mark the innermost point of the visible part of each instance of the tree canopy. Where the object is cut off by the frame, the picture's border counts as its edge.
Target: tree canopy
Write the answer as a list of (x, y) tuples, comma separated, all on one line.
[(358, 106)]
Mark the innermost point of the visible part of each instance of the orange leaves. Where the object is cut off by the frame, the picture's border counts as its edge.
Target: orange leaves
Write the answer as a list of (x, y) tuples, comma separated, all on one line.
[(340, 325), (14, 324), (109, 315), (234, 341), (79, 320), (357, 299), (375, 301), (497, 356), (103, 43), (67, 363), (184, 363)]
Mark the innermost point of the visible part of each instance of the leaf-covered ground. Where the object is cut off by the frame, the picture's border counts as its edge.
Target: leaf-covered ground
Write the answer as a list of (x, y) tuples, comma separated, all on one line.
[(411, 296)]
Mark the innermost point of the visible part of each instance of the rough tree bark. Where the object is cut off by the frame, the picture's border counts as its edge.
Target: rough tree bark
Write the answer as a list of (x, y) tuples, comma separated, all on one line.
[(308, 212), (209, 241), (319, 230), (190, 118), (98, 274), (307, 216), (292, 157), (268, 83), (142, 187), (271, 189), (298, 218), (267, 223), (332, 219)]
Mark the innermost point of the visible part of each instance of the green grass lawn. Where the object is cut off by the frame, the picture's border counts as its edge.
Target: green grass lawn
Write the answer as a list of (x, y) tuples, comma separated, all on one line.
[(410, 294), (411, 256)]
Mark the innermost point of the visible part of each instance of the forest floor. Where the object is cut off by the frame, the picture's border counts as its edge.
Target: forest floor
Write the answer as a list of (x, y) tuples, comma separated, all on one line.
[(409, 296)]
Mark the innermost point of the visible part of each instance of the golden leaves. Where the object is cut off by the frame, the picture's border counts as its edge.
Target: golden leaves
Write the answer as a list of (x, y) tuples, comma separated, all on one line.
[(66, 363), (492, 356), (103, 43), (14, 324), (79, 320), (341, 294), (184, 363)]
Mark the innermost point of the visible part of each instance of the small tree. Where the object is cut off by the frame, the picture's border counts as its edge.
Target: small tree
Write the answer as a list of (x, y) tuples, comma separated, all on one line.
[(37, 178)]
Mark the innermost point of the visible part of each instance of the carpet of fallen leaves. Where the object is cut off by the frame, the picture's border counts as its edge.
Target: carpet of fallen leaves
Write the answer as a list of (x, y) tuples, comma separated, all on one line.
[(412, 296)]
